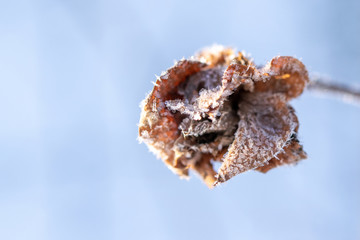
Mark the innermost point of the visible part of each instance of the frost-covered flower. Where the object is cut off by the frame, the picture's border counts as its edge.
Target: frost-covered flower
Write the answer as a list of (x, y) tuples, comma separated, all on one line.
[(219, 106)]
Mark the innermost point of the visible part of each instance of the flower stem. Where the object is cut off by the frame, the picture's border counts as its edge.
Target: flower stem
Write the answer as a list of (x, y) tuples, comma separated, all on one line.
[(341, 91)]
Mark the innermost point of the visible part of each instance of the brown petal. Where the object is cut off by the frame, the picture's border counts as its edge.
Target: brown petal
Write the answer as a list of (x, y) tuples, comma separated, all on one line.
[(205, 169), (216, 55), (287, 75), (158, 126), (235, 76), (292, 154), (266, 125)]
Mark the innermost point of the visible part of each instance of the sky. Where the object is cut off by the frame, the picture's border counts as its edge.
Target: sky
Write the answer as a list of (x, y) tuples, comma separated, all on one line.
[(72, 75)]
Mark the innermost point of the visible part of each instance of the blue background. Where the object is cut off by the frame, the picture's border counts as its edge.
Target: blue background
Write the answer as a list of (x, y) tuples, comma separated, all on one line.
[(72, 75)]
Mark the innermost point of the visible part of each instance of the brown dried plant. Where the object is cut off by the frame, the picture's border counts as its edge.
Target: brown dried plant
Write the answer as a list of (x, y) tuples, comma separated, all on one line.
[(219, 106)]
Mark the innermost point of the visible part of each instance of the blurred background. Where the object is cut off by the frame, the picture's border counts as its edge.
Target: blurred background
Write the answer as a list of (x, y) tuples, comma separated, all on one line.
[(72, 75)]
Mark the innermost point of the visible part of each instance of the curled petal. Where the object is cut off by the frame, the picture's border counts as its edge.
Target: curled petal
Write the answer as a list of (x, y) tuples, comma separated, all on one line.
[(158, 126), (235, 76), (205, 169), (216, 55), (287, 75), (292, 154), (266, 125)]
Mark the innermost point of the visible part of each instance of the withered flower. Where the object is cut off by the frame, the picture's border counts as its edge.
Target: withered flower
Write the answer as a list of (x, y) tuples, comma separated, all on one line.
[(219, 106)]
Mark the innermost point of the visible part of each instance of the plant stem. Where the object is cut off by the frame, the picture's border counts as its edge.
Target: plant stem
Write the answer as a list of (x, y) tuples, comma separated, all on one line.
[(341, 91)]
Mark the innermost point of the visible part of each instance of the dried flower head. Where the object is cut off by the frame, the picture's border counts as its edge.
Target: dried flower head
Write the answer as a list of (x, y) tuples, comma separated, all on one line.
[(219, 106)]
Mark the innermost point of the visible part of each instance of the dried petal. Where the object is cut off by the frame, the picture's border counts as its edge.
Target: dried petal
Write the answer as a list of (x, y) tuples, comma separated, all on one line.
[(216, 55), (287, 75), (158, 126), (291, 155), (266, 125)]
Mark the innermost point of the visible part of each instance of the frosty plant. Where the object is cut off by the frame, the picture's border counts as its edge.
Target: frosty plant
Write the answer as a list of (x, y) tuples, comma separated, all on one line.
[(219, 106)]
